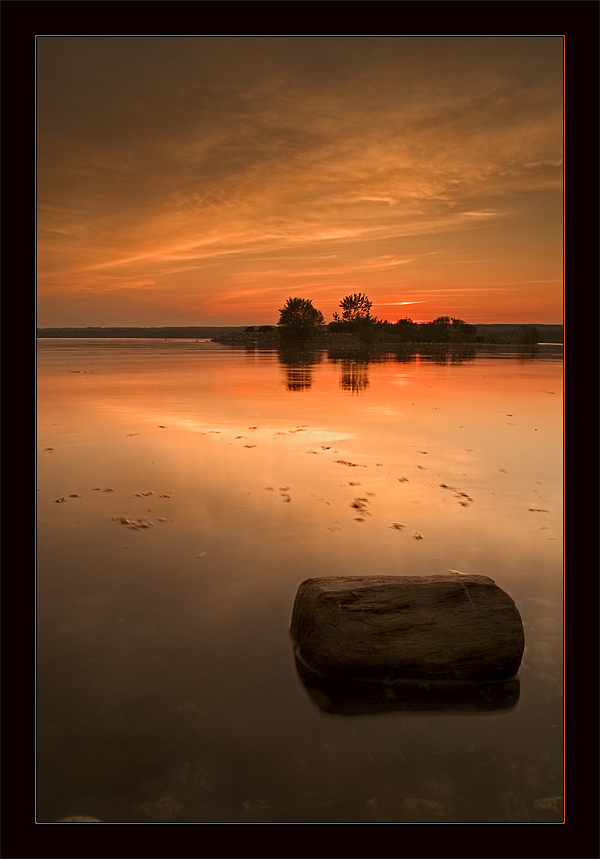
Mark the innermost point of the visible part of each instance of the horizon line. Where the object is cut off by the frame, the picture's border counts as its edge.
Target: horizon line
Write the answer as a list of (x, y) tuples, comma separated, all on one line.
[(253, 324)]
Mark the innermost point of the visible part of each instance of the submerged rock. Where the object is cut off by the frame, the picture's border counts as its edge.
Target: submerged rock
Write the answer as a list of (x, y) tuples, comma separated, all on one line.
[(514, 806), (79, 818), (548, 809), (416, 810), (387, 628), (163, 809)]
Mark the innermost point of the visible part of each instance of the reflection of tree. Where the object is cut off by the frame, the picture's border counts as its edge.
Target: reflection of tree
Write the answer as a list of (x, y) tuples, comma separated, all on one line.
[(444, 355), (405, 354), (354, 362), (298, 364), (462, 354), (355, 375), (298, 378), (527, 353)]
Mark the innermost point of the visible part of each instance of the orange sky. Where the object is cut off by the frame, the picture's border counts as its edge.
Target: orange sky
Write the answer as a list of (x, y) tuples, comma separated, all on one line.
[(204, 180)]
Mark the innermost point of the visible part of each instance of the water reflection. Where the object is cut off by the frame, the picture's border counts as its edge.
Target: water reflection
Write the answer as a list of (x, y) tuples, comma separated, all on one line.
[(355, 376), (355, 368), (405, 353), (528, 353), (448, 354), (354, 364), (164, 673), (347, 698), (298, 364)]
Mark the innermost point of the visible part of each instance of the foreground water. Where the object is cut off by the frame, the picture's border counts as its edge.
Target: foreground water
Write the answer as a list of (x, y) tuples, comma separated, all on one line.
[(186, 489)]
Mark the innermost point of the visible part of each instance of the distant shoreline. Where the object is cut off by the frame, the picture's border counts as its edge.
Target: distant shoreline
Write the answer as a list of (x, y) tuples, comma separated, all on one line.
[(496, 333)]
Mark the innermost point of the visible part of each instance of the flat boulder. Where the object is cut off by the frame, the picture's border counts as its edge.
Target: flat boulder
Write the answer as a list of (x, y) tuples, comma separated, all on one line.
[(448, 628)]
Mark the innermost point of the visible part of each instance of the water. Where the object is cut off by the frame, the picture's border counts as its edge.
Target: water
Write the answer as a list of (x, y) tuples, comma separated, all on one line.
[(186, 489)]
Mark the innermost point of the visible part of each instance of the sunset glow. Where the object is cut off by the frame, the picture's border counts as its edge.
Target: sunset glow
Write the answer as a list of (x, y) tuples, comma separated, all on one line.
[(202, 180)]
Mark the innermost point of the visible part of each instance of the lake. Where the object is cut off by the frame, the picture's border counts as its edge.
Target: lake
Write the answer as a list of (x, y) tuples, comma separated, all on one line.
[(186, 489)]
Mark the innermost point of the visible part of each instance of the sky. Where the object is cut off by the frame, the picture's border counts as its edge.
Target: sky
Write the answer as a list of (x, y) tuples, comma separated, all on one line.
[(203, 180)]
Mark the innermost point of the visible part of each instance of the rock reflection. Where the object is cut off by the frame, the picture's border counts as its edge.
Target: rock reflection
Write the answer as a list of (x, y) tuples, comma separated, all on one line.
[(347, 698)]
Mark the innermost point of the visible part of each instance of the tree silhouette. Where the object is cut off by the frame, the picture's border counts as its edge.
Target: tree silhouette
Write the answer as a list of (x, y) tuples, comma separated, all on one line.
[(406, 330), (447, 329), (298, 317), (528, 334), (354, 307)]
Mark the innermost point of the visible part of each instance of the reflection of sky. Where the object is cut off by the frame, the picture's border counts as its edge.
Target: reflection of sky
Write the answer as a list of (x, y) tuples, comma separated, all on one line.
[(250, 490), (462, 454)]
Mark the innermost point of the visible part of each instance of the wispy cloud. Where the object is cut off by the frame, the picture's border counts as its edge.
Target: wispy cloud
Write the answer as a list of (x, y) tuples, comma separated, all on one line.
[(197, 163)]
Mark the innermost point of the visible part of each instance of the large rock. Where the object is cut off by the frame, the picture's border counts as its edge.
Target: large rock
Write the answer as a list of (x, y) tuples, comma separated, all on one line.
[(452, 628)]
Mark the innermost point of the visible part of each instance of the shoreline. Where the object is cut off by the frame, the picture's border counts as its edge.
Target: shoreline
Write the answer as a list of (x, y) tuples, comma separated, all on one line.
[(348, 341)]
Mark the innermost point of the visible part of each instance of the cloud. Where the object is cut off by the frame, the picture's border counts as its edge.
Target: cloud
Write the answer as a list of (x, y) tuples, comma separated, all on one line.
[(216, 152)]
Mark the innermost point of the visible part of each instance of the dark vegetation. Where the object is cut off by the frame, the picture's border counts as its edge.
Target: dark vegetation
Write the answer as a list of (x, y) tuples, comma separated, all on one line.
[(355, 307), (444, 329), (301, 321), (520, 333)]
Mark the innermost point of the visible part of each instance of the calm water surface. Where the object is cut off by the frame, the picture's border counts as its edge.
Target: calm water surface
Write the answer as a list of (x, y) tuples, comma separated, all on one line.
[(186, 489)]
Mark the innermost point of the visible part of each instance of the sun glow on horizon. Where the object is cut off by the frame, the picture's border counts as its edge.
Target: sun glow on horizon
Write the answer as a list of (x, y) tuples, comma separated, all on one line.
[(224, 176)]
